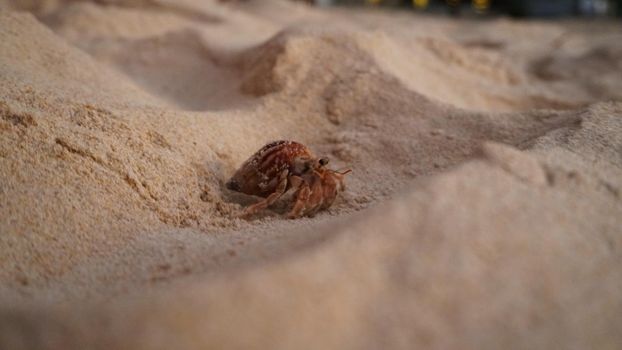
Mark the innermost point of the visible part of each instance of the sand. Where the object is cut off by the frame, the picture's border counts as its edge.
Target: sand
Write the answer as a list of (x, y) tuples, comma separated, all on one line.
[(484, 209)]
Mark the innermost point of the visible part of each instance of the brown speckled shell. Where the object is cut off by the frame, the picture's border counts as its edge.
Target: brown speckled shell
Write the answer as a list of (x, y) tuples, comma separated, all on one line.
[(259, 174)]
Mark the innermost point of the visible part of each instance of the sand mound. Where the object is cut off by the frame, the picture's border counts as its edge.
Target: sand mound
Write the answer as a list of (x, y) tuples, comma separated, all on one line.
[(58, 67), (193, 80), (474, 218)]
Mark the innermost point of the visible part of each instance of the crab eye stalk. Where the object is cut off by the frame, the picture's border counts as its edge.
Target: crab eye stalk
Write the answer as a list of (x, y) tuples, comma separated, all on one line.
[(323, 161)]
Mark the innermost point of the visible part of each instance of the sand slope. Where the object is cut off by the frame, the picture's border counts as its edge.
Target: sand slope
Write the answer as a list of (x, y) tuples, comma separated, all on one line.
[(483, 210)]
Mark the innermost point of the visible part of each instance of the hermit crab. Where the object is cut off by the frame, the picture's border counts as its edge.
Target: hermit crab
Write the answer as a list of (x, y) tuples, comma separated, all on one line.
[(281, 166)]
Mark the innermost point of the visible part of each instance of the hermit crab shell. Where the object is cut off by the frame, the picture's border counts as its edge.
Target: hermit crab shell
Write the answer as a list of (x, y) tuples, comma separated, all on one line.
[(259, 175)]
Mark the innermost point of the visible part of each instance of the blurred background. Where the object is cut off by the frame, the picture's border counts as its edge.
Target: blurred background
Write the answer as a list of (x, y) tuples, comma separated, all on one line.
[(518, 8)]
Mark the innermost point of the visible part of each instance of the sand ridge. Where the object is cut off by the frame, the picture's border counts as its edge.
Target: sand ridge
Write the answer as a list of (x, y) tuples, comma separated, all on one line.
[(482, 212)]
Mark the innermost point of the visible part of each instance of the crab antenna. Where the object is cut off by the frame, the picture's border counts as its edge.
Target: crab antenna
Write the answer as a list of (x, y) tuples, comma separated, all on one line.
[(344, 172)]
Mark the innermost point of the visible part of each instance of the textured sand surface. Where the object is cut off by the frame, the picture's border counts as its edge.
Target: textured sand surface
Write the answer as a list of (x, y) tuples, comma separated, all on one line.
[(484, 210)]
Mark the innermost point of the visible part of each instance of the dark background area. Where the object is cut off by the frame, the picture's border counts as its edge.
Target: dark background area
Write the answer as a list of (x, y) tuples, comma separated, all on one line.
[(517, 8)]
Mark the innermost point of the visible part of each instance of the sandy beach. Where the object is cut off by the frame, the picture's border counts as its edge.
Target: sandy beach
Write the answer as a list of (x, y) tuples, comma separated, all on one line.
[(483, 211)]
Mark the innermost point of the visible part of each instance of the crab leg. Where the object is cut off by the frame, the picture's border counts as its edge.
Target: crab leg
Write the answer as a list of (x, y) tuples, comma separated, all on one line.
[(263, 204), (302, 196), (316, 198)]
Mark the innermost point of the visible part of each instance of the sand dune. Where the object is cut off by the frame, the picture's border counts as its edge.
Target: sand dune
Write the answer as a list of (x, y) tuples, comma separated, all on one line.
[(483, 210)]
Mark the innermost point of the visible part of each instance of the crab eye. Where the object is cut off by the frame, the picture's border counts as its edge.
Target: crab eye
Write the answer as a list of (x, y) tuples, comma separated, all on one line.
[(323, 161)]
